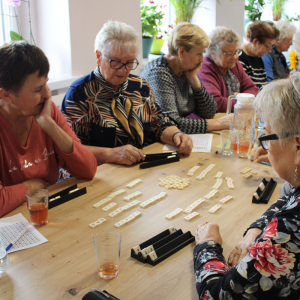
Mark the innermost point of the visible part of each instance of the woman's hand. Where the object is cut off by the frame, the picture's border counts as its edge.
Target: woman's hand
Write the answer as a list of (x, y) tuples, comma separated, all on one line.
[(220, 123), (208, 232), (259, 154), (125, 155), (44, 116), (192, 76), (242, 247), (35, 184), (184, 142)]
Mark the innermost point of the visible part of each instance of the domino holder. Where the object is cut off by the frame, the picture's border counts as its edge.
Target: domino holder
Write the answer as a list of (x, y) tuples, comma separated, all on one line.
[(157, 156), (159, 162), (165, 244), (265, 195), (65, 196)]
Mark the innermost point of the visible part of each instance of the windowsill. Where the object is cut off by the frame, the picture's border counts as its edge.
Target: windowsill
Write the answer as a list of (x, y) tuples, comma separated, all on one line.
[(60, 81)]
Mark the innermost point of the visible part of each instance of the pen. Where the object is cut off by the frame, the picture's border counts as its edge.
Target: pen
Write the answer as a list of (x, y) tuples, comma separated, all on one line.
[(265, 163), (16, 239)]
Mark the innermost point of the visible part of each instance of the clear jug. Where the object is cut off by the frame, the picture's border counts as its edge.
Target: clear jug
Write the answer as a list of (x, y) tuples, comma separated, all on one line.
[(4, 260), (244, 124)]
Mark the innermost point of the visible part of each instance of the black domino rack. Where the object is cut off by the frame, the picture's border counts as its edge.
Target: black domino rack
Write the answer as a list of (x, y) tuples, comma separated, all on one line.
[(265, 195), (165, 244), (65, 196)]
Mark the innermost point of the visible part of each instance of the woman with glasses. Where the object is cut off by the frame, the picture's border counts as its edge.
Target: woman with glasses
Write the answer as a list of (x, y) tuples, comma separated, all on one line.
[(274, 61), (265, 264), (221, 72), (174, 80), (261, 37), (113, 112)]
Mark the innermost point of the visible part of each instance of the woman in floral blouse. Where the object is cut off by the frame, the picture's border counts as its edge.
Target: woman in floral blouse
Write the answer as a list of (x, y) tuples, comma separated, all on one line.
[(266, 262)]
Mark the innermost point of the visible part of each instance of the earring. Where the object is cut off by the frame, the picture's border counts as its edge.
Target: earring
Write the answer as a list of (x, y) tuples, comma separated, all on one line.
[(296, 174)]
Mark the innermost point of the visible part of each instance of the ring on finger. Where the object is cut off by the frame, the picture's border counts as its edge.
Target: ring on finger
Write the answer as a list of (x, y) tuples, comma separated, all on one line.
[(131, 157)]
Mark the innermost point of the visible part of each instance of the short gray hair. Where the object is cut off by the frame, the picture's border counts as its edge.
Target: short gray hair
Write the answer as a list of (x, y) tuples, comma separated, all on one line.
[(279, 103), (118, 36), (286, 28), (219, 37)]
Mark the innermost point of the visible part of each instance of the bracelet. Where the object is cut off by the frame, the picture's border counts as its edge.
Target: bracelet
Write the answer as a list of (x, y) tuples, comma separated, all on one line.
[(175, 134)]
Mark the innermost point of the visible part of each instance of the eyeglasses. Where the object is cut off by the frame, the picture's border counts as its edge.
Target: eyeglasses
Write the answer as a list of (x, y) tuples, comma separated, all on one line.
[(232, 54), (268, 47), (264, 140), (290, 42), (115, 64)]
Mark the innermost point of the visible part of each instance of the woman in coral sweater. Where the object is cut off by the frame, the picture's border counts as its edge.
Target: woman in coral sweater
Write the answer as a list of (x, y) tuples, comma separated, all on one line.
[(35, 139)]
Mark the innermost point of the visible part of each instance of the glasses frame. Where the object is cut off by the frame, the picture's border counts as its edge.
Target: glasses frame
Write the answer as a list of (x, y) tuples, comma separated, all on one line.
[(264, 138), (122, 64), (232, 54)]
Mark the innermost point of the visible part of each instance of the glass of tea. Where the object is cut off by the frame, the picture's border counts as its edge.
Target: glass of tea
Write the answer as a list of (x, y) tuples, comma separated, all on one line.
[(37, 203), (107, 249)]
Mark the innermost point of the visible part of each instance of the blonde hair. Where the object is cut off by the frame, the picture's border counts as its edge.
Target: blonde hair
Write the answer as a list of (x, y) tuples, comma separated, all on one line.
[(119, 37), (188, 36), (279, 103)]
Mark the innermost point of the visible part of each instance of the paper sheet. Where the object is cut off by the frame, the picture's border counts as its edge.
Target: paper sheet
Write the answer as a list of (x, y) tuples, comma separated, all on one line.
[(10, 227), (201, 143)]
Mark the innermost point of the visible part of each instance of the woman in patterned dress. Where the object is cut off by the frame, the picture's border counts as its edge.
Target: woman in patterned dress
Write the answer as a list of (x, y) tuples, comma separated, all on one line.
[(222, 74), (113, 112), (266, 262), (174, 80)]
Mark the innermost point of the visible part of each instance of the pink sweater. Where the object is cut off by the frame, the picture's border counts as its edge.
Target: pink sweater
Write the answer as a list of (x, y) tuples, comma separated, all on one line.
[(40, 159), (214, 83)]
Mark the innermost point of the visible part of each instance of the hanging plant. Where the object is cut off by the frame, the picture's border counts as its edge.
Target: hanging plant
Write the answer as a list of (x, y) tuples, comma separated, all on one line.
[(278, 8)]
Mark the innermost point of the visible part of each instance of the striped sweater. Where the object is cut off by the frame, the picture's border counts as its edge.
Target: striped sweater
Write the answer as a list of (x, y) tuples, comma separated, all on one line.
[(255, 69)]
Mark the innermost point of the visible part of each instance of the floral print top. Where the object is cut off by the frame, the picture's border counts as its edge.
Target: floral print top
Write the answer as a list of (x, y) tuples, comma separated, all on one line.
[(271, 269)]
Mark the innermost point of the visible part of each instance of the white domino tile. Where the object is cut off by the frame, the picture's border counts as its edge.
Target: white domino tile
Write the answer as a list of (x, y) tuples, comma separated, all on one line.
[(109, 198), (194, 205), (214, 209), (225, 199), (129, 219), (97, 223), (133, 183), (203, 173), (174, 213), (191, 216)]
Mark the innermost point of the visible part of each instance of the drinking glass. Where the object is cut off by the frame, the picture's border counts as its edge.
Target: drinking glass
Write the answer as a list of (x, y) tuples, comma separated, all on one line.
[(225, 140), (107, 249), (37, 203)]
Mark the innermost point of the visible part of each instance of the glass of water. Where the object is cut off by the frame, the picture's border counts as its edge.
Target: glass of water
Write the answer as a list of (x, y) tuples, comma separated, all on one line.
[(4, 260)]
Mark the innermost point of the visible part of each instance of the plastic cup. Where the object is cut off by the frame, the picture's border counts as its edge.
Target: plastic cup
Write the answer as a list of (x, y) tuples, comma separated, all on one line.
[(107, 249), (37, 203), (225, 140)]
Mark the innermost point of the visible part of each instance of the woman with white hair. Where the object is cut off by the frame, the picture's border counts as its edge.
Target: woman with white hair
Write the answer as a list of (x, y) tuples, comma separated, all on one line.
[(174, 80), (274, 61), (222, 74), (114, 112), (265, 264)]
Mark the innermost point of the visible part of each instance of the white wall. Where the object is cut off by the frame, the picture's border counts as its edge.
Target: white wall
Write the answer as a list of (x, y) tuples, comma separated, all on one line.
[(86, 19), (229, 13)]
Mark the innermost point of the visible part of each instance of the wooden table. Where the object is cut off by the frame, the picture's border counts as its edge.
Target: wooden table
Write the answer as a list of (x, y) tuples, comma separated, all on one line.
[(65, 267)]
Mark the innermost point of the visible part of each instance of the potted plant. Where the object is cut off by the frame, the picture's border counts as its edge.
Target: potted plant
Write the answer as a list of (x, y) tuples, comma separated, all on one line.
[(185, 9), (151, 20), (159, 40), (278, 8), (253, 10)]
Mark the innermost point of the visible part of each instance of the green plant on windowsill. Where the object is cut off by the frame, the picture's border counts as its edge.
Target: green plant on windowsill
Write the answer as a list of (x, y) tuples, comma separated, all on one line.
[(151, 19), (185, 9), (290, 19), (254, 9), (278, 8)]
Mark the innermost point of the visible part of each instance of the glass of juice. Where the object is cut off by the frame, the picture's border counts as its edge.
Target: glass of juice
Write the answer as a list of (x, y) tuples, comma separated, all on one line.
[(37, 203), (107, 249)]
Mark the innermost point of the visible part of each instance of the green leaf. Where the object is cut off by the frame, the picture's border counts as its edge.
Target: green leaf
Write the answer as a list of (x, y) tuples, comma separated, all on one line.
[(15, 36)]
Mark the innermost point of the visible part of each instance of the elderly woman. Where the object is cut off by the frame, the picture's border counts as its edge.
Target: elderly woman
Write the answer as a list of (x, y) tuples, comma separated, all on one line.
[(113, 112), (274, 61), (261, 37), (266, 262), (176, 85), (221, 72), (35, 138)]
